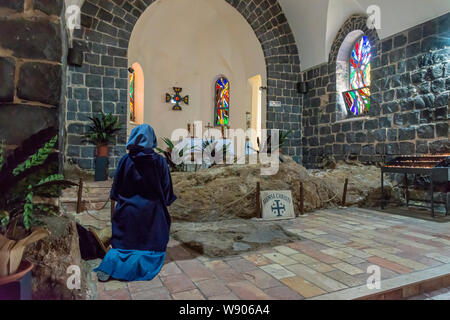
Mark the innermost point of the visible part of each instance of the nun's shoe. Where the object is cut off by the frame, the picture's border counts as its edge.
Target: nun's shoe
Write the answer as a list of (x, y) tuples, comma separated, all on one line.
[(102, 276)]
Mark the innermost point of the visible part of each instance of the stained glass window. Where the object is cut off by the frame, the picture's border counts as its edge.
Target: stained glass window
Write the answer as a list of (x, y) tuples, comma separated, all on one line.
[(222, 102), (357, 98), (132, 100)]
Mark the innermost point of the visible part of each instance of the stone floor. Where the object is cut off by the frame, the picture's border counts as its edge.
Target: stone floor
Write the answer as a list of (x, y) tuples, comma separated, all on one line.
[(338, 247)]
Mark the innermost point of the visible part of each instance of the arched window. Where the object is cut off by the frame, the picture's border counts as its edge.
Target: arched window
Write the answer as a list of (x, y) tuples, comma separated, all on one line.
[(357, 99), (136, 94), (222, 102), (132, 95)]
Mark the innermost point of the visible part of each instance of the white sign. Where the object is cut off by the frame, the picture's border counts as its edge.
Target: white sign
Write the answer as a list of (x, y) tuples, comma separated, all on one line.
[(275, 104), (277, 205)]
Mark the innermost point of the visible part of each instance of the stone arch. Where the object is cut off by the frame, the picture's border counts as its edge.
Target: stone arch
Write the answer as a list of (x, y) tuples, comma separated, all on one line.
[(101, 83), (353, 23), (352, 29)]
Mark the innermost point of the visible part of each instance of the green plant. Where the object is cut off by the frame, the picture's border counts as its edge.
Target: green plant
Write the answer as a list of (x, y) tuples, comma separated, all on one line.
[(102, 129), (170, 146), (282, 139), (25, 173)]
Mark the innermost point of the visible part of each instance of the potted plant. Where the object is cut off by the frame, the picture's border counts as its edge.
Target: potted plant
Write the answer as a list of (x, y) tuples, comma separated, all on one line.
[(28, 170), (101, 132)]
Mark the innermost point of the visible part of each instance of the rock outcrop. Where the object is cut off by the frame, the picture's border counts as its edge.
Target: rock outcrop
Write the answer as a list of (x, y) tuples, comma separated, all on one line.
[(52, 256), (227, 192)]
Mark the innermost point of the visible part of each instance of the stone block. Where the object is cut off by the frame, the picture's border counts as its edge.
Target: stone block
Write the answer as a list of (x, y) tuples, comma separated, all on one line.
[(426, 132), (32, 119), (7, 72), (43, 42), (406, 134), (40, 82)]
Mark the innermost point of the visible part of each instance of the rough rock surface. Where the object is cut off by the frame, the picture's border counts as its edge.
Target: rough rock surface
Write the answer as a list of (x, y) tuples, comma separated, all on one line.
[(227, 192), (52, 256), (223, 238)]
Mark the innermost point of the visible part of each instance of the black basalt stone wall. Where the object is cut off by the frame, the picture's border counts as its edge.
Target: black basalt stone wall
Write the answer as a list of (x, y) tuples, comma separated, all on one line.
[(409, 102), (101, 83), (31, 67)]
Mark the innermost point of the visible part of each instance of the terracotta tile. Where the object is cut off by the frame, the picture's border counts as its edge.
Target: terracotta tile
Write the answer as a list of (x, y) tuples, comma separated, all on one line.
[(152, 294), (303, 287), (285, 250), (336, 253), (216, 264), (169, 269), (389, 265), (188, 295), (411, 290), (354, 260), (178, 283), (277, 271), (318, 279), (318, 255), (195, 270), (118, 294), (247, 291), (228, 274), (394, 295), (138, 286), (261, 279), (304, 259), (258, 259), (279, 258), (114, 285), (178, 253), (348, 268), (242, 265), (345, 278), (321, 267), (283, 293), (212, 288), (431, 285)]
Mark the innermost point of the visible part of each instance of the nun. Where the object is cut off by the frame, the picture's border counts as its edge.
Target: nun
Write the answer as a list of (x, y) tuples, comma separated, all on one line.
[(143, 190)]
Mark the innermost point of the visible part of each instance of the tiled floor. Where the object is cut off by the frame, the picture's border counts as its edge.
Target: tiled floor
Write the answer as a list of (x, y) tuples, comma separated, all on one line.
[(338, 247)]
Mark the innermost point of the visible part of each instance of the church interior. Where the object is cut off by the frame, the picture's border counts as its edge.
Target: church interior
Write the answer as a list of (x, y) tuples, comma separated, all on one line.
[(307, 143)]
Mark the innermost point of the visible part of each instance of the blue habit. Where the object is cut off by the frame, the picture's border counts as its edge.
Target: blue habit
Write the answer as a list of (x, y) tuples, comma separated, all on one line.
[(141, 222)]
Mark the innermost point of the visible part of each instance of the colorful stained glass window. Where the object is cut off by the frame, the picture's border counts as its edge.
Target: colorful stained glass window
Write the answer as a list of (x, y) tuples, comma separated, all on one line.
[(132, 100), (222, 102), (358, 98)]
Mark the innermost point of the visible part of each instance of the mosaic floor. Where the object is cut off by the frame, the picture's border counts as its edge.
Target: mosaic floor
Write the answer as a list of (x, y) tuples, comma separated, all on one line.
[(331, 262)]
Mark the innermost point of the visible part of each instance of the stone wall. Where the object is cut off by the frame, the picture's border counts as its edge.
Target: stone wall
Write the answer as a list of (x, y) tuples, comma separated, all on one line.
[(409, 103), (32, 48), (101, 83)]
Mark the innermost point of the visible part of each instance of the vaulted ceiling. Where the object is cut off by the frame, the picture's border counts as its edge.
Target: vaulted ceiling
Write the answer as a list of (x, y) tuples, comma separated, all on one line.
[(315, 23)]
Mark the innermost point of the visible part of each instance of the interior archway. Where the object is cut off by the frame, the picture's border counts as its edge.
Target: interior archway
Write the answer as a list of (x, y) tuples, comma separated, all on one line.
[(204, 39)]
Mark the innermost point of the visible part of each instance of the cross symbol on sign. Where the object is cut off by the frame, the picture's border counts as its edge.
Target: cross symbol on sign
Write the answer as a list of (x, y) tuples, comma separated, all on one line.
[(278, 208)]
